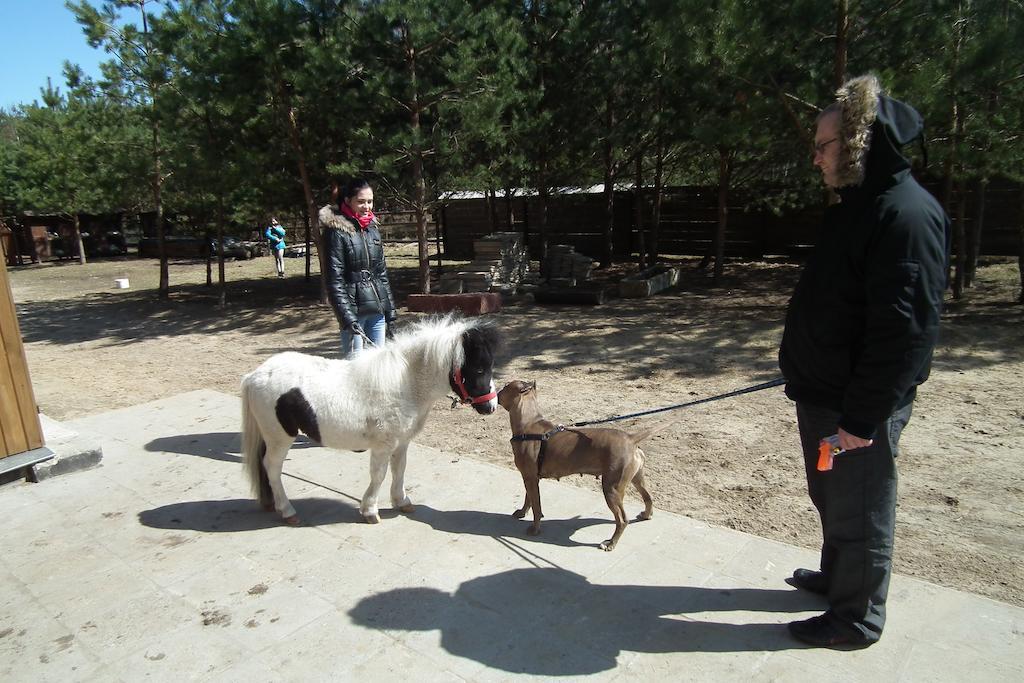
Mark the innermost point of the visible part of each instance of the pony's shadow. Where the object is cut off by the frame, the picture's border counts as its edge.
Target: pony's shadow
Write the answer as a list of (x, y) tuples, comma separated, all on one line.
[(566, 625), (553, 532), (224, 446), (245, 514)]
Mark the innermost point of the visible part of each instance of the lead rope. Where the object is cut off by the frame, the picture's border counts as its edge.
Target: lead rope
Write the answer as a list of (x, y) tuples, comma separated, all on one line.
[(746, 390), (366, 339)]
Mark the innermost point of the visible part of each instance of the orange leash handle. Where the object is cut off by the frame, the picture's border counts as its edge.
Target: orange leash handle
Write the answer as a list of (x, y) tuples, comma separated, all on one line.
[(828, 449)]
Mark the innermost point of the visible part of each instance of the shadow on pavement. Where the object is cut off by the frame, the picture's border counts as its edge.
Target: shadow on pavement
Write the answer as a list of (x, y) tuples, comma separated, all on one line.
[(553, 622), (553, 532), (224, 446), (245, 514)]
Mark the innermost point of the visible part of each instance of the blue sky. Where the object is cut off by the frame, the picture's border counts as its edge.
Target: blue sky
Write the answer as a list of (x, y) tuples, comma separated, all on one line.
[(36, 36)]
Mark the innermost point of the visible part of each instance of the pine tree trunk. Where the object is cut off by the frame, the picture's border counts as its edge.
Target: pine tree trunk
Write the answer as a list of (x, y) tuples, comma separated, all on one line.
[(638, 210), (960, 240), (510, 216), (1020, 246), (309, 246), (609, 186), (977, 225), (222, 295), (209, 259), (492, 210), (659, 195), (78, 239), (307, 186), (724, 177), (842, 31), (419, 183), (158, 183), (542, 230), (953, 165)]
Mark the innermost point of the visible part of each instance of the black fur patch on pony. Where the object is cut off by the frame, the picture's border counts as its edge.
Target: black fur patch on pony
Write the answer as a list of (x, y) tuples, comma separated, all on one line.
[(295, 415), (480, 344)]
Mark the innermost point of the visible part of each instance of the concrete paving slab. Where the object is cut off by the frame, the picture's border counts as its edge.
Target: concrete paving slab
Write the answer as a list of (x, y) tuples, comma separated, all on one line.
[(158, 564)]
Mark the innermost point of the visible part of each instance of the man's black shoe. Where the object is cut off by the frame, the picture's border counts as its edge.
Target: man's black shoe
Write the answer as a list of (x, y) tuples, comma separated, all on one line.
[(821, 632), (809, 580)]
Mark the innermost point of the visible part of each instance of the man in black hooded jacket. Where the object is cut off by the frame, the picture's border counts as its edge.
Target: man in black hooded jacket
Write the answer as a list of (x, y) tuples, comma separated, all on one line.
[(859, 335)]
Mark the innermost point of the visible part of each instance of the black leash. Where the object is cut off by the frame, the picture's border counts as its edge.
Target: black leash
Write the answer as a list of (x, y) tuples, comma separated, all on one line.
[(757, 387)]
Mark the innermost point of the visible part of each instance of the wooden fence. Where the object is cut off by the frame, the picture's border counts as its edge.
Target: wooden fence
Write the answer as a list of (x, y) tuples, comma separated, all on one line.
[(688, 223)]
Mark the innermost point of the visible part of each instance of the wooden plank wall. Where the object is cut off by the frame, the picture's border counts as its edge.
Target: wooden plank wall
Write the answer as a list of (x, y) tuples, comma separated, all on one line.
[(688, 223), (20, 430)]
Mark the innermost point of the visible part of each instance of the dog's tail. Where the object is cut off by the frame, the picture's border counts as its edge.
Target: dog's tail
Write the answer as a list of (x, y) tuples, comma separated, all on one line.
[(637, 437)]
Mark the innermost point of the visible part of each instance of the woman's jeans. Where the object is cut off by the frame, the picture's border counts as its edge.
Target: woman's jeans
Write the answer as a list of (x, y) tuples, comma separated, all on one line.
[(373, 326)]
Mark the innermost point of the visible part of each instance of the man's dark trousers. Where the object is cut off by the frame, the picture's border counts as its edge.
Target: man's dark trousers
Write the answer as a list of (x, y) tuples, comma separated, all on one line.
[(856, 500)]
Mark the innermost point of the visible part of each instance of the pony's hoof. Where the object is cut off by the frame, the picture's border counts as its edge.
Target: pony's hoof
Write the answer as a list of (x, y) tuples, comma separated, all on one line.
[(407, 508), (644, 516), (519, 514), (292, 520), (607, 546), (371, 519)]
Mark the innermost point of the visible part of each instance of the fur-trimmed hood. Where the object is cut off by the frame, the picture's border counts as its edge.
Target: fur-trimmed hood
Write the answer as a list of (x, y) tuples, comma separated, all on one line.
[(873, 130), (331, 217)]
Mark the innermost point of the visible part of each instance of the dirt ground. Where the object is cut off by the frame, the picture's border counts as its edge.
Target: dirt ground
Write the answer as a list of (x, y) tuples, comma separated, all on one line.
[(734, 462)]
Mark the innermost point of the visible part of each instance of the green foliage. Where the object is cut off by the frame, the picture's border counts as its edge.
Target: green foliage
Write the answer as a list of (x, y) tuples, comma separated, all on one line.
[(74, 153), (427, 96)]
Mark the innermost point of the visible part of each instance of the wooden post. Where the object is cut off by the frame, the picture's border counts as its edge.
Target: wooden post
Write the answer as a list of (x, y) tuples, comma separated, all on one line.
[(20, 430)]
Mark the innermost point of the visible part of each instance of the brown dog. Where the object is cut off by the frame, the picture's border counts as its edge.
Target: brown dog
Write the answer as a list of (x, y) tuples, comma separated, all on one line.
[(544, 451)]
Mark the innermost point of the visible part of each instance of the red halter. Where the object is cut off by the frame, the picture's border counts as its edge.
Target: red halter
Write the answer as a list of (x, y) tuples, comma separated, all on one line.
[(464, 395)]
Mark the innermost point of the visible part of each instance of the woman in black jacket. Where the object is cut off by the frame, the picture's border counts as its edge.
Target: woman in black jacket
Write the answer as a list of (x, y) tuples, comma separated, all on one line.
[(355, 272)]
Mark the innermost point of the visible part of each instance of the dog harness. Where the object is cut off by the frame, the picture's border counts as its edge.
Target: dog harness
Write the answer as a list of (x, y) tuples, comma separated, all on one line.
[(543, 438)]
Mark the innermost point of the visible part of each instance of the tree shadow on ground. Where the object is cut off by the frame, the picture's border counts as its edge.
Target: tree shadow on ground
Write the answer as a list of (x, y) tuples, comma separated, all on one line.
[(561, 624), (694, 329)]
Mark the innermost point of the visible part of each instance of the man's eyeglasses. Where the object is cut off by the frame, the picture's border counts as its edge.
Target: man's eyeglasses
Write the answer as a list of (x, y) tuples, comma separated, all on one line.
[(819, 147)]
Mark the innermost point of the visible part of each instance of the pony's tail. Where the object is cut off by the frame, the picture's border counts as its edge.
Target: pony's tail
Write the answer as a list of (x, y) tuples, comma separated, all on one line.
[(253, 445)]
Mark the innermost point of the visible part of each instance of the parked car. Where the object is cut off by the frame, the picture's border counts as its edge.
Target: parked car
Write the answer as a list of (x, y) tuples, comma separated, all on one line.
[(233, 248), (175, 246)]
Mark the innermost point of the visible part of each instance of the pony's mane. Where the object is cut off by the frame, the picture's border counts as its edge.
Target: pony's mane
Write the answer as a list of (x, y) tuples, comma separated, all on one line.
[(436, 339)]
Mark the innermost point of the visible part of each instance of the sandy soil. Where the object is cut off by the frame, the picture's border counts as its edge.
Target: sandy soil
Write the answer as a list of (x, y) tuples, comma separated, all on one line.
[(734, 462)]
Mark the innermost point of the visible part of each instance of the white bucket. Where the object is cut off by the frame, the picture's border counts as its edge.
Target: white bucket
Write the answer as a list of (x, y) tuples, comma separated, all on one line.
[(121, 283)]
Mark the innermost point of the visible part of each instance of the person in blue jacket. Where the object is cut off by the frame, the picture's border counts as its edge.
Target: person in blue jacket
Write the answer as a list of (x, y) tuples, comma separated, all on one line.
[(275, 236), (858, 341)]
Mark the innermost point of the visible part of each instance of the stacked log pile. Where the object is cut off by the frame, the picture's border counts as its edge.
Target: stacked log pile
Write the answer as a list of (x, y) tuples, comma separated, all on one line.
[(500, 263), (563, 267)]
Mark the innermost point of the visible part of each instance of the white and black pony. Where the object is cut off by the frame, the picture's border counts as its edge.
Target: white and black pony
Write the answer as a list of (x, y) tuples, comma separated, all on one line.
[(376, 400)]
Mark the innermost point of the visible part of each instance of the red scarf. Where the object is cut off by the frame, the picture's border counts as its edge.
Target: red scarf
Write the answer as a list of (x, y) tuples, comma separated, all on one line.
[(362, 220)]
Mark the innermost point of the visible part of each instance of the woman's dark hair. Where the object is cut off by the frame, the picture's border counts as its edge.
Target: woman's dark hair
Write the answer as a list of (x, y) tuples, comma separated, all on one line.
[(354, 187), (341, 190)]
